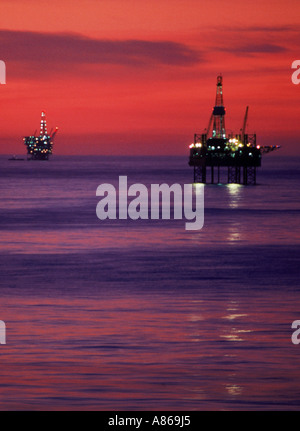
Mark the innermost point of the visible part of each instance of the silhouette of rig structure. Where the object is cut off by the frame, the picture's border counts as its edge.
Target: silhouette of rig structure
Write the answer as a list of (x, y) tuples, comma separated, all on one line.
[(238, 153), (40, 147)]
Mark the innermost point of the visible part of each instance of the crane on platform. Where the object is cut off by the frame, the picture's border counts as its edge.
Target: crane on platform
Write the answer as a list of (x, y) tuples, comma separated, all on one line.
[(54, 133), (243, 129)]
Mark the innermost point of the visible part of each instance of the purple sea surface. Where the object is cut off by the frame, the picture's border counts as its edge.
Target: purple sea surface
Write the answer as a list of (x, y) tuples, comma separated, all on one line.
[(144, 315)]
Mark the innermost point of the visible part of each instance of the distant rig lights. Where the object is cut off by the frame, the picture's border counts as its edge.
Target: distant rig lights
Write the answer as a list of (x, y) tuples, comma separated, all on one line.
[(40, 147)]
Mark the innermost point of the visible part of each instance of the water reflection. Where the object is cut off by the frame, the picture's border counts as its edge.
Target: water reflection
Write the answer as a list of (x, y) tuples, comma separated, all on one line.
[(234, 191), (234, 390), (234, 194), (234, 333), (234, 233)]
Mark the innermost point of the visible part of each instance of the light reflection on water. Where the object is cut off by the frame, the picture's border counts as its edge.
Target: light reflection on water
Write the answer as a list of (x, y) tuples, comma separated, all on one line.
[(139, 351), (131, 315), (235, 191)]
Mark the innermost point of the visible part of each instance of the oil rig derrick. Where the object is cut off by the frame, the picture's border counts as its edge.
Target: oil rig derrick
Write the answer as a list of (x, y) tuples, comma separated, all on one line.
[(215, 149), (40, 147)]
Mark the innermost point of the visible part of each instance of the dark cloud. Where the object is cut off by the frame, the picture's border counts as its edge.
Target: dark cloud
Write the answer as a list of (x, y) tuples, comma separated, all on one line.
[(49, 49), (255, 48), (271, 28), (252, 40), (259, 28)]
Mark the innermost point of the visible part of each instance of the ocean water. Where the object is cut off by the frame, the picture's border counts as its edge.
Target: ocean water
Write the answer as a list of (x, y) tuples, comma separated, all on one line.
[(144, 315)]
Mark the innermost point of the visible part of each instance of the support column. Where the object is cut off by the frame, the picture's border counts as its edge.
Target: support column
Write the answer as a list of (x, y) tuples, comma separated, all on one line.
[(238, 174), (245, 175), (249, 175), (233, 174), (200, 174)]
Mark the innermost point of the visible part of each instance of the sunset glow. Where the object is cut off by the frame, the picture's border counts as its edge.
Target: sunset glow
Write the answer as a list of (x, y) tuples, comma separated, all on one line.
[(136, 77)]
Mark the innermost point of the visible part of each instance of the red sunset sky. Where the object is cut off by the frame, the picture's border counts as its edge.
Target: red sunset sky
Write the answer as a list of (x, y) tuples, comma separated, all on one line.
[(137, 76)]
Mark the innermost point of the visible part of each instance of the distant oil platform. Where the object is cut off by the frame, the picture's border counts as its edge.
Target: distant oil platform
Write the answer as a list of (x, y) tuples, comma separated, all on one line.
[(238, 153), (40, 147)]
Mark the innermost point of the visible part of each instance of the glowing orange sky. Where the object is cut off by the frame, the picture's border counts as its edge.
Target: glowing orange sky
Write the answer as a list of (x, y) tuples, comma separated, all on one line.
[(130, 76)]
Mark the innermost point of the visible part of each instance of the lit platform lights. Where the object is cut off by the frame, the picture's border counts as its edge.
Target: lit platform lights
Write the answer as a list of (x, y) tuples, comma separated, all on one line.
[(214, 149), (40, 147)]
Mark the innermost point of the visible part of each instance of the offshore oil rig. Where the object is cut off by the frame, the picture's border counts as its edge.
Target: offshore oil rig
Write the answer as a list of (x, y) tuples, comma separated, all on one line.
[(238, 153), (40, 147)]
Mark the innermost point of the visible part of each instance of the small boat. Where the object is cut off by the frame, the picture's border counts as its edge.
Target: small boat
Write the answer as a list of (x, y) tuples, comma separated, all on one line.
[(15, 158)]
